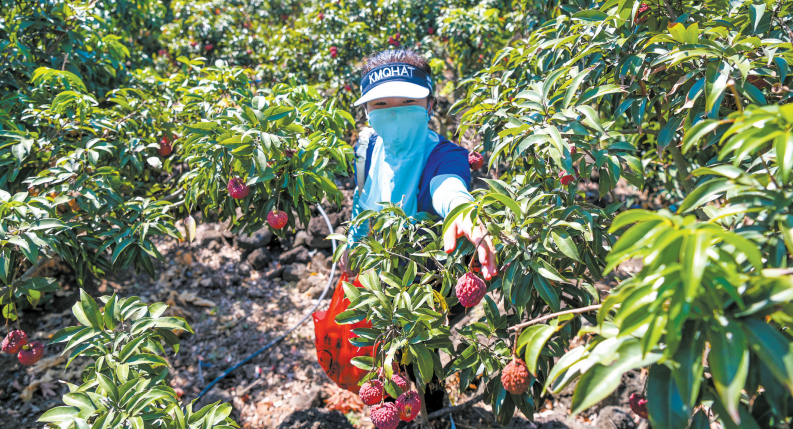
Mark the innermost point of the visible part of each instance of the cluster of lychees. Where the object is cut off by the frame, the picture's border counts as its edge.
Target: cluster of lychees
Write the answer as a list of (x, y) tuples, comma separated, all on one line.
[(386, 415), (16, 342), (239, 190)]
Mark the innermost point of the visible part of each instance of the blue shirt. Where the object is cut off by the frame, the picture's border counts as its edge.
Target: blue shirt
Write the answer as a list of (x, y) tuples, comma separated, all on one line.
[(443, 185)]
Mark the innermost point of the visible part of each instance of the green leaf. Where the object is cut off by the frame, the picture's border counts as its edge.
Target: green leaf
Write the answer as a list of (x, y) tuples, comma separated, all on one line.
[(59, 414), (600, 381), (666, 409), (729, 363), (91, 310), (783, 145), (108, 386), (698, 131), (708, 191), (365, 363), (534, 339), (694, 262), (773, 348), (120, 248), (423, 357), (565, 244), (592, 118), (547, 292)]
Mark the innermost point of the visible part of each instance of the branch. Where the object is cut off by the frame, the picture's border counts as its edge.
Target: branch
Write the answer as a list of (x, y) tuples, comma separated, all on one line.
[(670, 11), (174, 195), (637, 131), (407, 259), (32, 270), (450, 410), (552, 315)]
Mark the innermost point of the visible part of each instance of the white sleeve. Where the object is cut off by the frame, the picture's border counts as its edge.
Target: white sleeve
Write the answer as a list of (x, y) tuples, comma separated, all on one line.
[(448, 191)]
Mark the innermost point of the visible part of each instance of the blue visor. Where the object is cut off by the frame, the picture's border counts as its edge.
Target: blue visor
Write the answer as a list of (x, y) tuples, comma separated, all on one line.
[(394, 80)]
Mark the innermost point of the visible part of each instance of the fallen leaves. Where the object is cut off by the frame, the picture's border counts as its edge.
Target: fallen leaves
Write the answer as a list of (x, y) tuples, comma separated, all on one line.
[(341, 399)]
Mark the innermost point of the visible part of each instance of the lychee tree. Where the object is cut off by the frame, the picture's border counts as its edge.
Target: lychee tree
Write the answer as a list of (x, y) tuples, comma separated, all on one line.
[(685, 101)]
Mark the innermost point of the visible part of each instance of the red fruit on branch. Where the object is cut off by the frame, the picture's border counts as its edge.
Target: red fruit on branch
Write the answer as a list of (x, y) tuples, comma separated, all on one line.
[(14, 341), (347, 88), (276, 219), (409, 406), (397, 36), (321, 16), (476, 160), (567, 179), (385, 416), (165, 146), (371, 392), (401, 381), (431, 31), (237, 188), (642, 8), (515, 377), (470, 290), (31, 353), (638, 405), (288, 152), (193, 43), (209, 46), (333, 52), (246, 24)]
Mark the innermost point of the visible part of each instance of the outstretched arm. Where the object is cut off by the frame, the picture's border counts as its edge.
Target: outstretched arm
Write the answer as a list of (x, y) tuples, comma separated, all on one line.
[(449, 191)]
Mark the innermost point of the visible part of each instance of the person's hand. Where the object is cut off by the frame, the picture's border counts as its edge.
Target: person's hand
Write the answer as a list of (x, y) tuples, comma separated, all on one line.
[(344, 264), (463, 226)]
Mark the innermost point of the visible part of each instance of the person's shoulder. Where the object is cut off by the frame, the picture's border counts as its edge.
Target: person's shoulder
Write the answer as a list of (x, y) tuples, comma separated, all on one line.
[(446, 147)]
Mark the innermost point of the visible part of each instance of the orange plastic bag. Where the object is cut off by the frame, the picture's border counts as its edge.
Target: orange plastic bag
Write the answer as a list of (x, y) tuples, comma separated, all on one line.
[(334, 350)]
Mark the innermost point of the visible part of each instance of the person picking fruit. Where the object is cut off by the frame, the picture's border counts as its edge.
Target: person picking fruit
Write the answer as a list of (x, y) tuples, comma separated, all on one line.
[(402, 161)]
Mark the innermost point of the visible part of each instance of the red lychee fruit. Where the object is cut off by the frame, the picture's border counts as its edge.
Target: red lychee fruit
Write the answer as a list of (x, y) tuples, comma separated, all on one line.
[(431, 31), (237, 188), (334, 52), (397, 36), (165, 146), (193, 43), (347, 88), (409, 406), (567, 179), (470, 290), (401, 381), (638, 405), (276, 219), (515, 377), (642, 8), (573, 150), (476, 160), (14, 341), (321, 16), (209, 46), (385, 416), (288, 152), (371, 392), (31, 353)]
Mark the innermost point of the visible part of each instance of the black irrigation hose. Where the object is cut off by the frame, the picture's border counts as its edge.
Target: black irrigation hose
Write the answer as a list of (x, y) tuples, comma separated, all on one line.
[(277, 340)]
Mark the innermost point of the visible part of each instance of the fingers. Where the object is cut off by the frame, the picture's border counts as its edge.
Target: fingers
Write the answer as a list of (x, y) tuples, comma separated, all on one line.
[(450, 238), (487, 257)]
